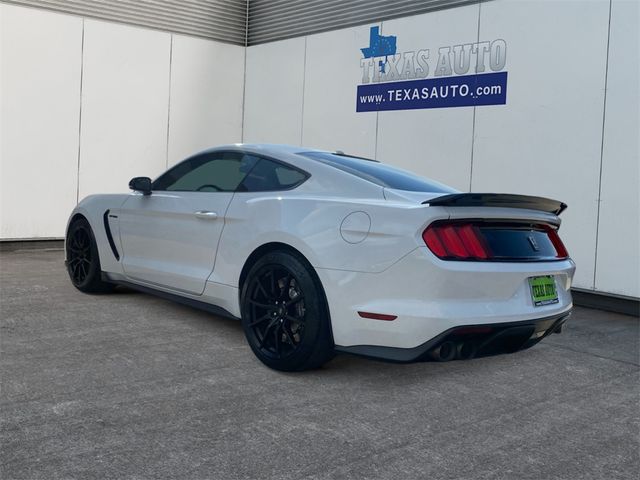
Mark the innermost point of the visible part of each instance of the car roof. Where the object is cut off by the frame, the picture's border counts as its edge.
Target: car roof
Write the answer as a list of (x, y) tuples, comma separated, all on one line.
[(331, 177), (273, 148), (280, 151), (269, 149), (294, 156), (286, 153)]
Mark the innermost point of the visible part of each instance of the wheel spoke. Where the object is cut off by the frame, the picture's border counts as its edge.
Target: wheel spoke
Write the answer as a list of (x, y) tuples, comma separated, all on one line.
[(285, 288), (294, 300), (272, 284), (262, 289), (277, 338), (260, 304), (266, 333), (260, 320), (288, 335), (83, 270), (74, 271)]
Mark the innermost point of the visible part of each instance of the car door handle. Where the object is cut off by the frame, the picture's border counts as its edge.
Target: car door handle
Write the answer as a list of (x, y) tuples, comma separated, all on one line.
[(205, 214)]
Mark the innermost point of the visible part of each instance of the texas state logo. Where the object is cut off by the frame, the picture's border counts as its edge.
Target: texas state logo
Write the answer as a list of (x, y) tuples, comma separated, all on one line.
[(464, 75)]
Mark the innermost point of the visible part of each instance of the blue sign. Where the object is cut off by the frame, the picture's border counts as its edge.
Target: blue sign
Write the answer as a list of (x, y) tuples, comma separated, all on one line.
[(461, 75), (460, 91), (379, 45)]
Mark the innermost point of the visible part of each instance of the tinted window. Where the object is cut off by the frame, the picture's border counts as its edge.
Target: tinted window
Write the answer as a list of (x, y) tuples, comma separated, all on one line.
[(209, 172), (268, 176), (379, 173)]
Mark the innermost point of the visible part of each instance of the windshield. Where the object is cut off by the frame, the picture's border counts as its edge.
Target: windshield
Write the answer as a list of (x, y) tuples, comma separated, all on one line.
[(379, 173)]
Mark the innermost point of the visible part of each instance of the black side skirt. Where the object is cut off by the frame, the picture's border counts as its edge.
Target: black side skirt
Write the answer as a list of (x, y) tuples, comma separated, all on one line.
[(200, 305)]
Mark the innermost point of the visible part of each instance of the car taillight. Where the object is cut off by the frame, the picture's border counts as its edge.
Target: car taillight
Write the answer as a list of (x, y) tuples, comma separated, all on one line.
[(460, 241), (494, 241), (561, 250)]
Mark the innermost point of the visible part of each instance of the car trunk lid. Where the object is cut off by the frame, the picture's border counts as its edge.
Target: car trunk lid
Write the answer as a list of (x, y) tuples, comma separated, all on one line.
[(496, 228)]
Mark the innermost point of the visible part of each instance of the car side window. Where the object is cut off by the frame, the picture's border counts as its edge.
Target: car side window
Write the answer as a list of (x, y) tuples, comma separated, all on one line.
[(208, 172), (268, 176)]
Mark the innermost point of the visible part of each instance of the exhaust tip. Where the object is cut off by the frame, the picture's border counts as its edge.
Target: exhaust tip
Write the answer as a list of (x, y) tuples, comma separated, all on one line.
[(466, 350), (444, 352)]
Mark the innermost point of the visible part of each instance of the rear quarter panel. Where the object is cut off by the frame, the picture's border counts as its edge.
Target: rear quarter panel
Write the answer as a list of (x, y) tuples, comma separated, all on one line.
[(312, 225)]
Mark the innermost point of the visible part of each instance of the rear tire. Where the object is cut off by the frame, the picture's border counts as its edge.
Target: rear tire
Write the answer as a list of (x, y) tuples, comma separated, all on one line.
[(83, 262), (284, 313)]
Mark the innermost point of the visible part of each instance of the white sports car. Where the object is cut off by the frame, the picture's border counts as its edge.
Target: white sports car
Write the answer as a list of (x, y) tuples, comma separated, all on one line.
[(319, 252)]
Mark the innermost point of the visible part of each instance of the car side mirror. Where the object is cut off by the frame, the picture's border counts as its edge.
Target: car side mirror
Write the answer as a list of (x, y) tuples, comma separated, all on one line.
[(141, 184)]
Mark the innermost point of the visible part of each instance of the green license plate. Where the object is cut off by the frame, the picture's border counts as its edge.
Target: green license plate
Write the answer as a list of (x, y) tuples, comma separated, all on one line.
[(543, 290)]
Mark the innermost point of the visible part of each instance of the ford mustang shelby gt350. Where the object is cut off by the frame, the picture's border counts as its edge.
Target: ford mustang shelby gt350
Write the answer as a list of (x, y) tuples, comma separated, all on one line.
[(318, 252)]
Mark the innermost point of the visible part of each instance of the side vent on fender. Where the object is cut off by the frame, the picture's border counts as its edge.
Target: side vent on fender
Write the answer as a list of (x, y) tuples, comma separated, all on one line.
[(107, 229)]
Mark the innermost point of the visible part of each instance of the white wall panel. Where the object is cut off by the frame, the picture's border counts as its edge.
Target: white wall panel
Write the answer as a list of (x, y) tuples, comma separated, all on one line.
[(149, 101), (39, 104), (433, 142), (333, 70), (273, 92), (206, 95), (618, 264), (125, 95), (546, 140)]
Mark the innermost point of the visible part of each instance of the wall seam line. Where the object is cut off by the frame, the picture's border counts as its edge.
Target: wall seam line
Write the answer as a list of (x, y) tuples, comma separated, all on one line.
[(473, 121), (304, 82), (244, 72), (375, 149), (375, 143), (473, 142), (246, 24), (604, 114), (80, 116), (169, 101)]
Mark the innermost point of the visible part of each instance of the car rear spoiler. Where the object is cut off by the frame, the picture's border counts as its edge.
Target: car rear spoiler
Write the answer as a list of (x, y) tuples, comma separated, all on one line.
[(505, 200)]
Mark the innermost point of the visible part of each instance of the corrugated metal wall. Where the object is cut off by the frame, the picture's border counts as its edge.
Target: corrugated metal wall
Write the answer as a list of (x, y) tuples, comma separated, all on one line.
[(271, 20), (223, 20), (227, 20)]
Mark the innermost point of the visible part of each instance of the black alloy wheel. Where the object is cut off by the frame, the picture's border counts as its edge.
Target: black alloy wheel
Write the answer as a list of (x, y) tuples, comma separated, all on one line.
[(284, 314), (83, 263), (79, 255), (277, 311)]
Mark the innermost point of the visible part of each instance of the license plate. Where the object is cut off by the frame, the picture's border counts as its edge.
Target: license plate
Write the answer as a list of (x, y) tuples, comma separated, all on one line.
[(543, 290)]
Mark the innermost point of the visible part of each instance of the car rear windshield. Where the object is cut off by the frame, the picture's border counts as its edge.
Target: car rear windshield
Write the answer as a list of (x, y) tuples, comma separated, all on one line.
[(379, 173)]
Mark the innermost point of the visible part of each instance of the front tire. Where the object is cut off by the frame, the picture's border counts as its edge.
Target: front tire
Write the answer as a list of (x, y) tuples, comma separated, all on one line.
[(83, 262), (284, 313)]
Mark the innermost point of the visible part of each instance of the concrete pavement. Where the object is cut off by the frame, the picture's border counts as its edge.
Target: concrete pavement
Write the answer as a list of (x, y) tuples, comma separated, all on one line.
[(127, 385)]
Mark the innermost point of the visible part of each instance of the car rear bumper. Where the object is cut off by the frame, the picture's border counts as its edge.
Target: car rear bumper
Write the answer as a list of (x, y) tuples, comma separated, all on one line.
[(482, 340), (428, 297)]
